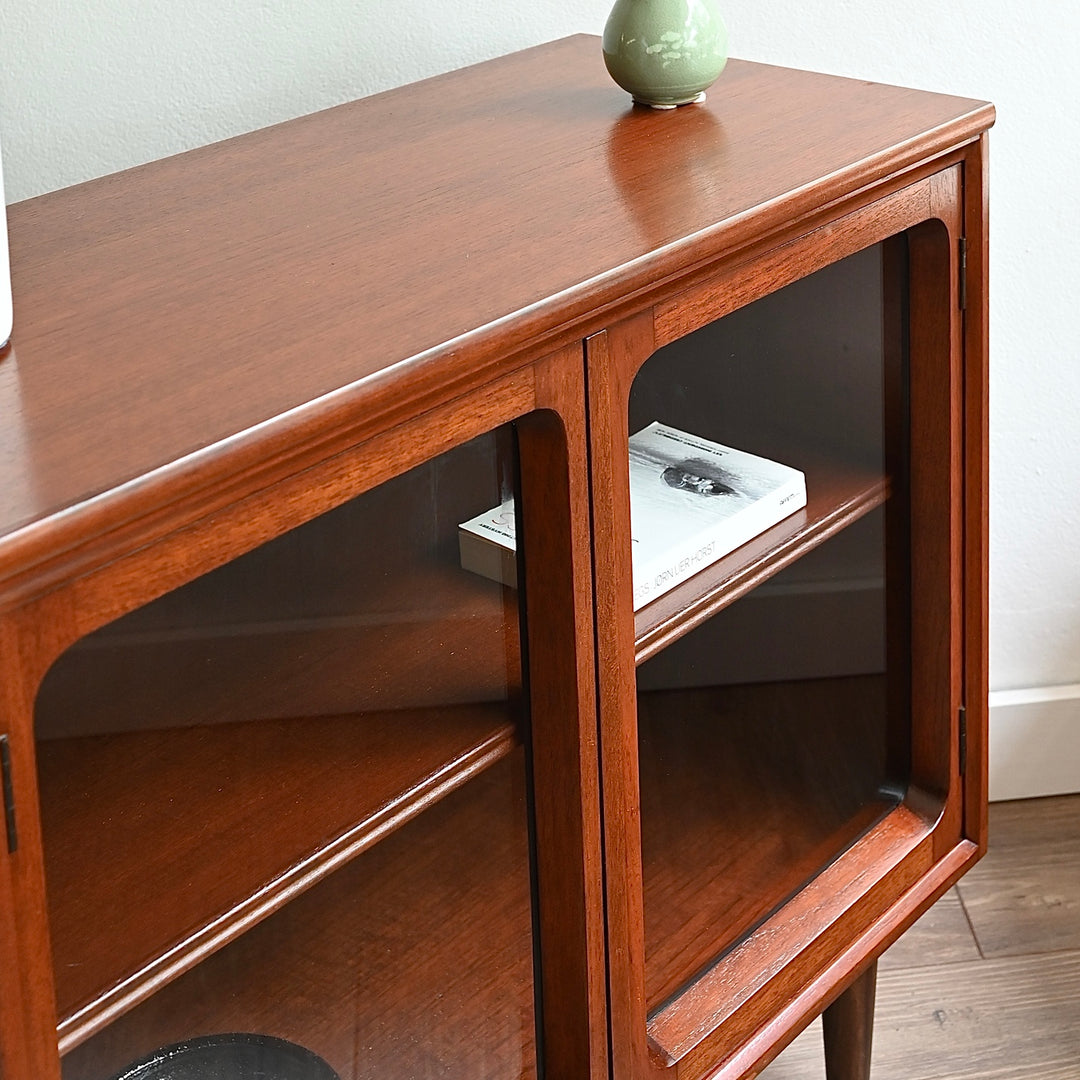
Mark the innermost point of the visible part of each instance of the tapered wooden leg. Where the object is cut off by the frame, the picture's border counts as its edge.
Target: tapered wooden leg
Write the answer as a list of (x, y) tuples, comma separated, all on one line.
[(849, 1029)]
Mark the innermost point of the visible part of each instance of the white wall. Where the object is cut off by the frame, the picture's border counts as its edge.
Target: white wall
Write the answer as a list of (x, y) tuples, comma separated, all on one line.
[(1024, 60), (94, 86)]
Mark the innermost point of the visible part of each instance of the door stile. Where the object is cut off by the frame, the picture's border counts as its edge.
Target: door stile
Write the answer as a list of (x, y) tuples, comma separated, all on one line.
[(565, 783), (936, 509), (977, 488), (27, 1028), (613, 357)]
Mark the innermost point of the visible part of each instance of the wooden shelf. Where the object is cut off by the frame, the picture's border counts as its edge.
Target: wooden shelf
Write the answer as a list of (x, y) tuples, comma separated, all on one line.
[(837, 496), (733, 827), (414, 960), (427, 635), (195, 834)]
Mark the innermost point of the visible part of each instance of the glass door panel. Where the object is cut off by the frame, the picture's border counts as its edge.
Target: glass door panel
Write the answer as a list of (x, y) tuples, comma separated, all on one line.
[(765, 751), (286, 800), (773, 682), (413, 960)]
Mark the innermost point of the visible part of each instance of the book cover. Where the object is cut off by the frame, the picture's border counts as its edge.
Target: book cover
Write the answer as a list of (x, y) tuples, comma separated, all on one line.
[(487, 544), (692, 501)]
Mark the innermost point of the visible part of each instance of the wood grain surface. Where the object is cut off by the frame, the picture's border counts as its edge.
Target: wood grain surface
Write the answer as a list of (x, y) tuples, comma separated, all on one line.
[(162, 845), (163, 311), (733, 827), (213, 349), (942, 936), (1025, 896), (949, 1008), (996, 1019), (415, 960)]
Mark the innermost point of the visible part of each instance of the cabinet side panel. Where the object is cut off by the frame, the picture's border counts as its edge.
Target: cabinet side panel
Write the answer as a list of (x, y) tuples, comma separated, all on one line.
[(27, 1001), (977, 489)]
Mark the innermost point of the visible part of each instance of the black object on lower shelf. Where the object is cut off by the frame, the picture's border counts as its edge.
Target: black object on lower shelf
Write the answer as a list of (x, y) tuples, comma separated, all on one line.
[(231, 1057)]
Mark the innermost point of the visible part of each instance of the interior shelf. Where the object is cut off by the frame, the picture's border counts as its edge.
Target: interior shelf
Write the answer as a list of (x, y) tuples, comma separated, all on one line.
[(198, 833), (428, 635), (413, 960), (838, 494), (734, 827)]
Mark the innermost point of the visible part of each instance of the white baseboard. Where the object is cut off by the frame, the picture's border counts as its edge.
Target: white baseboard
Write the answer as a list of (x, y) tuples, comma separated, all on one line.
[(1034, 742)]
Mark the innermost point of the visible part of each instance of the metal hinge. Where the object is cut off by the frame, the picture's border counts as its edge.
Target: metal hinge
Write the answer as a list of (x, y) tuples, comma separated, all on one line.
[(9, 794), (962, 285), (963, 740)]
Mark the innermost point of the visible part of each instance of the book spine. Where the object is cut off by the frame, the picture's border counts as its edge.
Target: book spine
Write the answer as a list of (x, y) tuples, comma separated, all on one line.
[(708, 545)]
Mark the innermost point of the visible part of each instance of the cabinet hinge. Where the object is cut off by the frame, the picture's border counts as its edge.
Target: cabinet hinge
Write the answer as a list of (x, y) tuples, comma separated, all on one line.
[(963, 740), (9, 794), (962, 271)]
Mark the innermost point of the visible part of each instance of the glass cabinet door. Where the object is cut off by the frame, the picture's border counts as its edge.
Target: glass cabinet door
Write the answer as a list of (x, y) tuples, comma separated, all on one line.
[(284, 806), (773, 730), (780, 531)]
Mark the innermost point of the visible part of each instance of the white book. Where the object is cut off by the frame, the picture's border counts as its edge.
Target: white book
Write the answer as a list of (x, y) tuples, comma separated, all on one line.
[(692, 502), (488, 544)]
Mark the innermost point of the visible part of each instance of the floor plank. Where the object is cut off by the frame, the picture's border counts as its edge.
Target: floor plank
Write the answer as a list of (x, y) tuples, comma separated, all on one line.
[(999, 1019), (943, 1012), (941, 936), (1024, 897)]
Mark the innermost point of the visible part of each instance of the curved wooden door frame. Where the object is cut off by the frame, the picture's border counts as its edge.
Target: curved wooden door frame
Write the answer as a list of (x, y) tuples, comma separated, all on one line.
[(171, 543), (739, 1014)]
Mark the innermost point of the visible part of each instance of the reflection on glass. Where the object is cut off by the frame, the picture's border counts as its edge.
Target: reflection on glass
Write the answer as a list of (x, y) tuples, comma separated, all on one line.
[(766, 748), (322, 731), (413, 960), (774, 734), (797, 376)]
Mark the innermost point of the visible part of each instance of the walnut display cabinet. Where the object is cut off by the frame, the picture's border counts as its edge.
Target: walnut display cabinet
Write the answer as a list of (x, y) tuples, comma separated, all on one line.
[(275, 763)]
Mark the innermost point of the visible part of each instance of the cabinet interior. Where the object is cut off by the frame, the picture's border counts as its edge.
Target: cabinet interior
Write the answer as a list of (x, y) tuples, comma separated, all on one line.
[(212, 755), (415, 959), (772, 687)]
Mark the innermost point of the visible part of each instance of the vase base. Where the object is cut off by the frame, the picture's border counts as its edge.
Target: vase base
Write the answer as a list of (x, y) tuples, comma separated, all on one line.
[(697, 99)]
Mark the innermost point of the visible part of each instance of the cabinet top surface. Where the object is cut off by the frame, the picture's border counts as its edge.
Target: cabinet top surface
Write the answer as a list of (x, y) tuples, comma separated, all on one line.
[(244, 289)]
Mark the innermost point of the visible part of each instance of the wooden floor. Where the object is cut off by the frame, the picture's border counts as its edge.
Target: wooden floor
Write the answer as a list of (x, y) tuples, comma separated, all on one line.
[(987, 984)]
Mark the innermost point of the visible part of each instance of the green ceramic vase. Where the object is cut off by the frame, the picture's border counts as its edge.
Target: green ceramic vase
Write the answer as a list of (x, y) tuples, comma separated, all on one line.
[(665, 52)]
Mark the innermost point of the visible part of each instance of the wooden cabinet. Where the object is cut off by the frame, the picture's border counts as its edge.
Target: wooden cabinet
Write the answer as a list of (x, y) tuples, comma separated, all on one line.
[(277, 764)]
